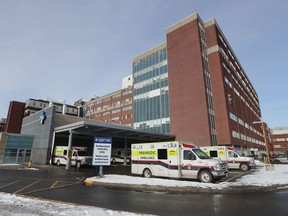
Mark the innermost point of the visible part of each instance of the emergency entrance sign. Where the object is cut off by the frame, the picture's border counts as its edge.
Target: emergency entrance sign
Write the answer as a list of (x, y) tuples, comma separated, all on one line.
[(102, 151)]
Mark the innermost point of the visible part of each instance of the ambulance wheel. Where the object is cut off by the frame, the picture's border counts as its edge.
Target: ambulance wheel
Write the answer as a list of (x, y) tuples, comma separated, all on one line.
[(205, 176), (78, 165), (58, 163), (147, 173), (244, 166)]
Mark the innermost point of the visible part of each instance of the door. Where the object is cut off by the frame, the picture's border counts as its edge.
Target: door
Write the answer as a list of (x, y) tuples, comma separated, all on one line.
[(188, 168), (233, 160), (23, 155)]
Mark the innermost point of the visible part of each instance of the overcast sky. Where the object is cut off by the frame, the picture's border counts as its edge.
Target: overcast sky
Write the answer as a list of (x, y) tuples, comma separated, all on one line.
[(72, 49)]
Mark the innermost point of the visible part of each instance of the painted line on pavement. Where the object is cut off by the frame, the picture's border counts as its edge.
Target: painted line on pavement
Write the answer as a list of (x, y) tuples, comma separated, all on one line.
[(49, 188), (27, 186), (11, 183)]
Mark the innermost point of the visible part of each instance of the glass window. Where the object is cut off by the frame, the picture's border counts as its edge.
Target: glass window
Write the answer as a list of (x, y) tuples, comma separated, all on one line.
[(188, 155), (162, 154)]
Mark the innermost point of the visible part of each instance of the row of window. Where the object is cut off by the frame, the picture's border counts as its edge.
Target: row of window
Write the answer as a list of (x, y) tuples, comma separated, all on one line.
[(246, 84), (244, 124), (88, 107), (150, 60), (242, 98), (156, 128), (153, 86), (129, 116), (244, 137), (108, 112), (151, 108), (151, 74)]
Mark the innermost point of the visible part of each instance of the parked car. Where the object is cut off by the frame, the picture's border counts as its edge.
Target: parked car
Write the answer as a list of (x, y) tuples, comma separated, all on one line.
[(280, 159)]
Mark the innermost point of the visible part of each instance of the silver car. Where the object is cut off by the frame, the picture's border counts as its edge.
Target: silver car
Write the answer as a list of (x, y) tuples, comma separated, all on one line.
[(280, 159)]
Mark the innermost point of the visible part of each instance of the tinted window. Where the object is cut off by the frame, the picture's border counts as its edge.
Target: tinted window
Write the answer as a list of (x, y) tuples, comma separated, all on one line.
[(162, 153)]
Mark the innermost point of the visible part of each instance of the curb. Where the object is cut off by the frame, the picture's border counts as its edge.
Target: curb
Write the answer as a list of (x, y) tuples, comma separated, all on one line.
[(187, 190)]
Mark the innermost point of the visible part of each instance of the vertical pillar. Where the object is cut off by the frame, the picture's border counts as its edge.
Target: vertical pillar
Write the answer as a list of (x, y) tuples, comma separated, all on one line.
[(125, 152), (69, 150)]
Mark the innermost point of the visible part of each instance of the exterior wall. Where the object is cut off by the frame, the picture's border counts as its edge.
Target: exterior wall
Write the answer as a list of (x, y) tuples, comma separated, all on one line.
[(2, 124), (32, 106), (15, 148), (43, 134), (3, 140), (280, 140), (189, 82), (116, 107), (236, 102), (151, 91), (14, 117)]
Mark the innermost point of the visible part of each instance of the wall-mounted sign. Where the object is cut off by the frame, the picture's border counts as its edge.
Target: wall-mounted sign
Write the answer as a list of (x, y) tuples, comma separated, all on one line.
[(102, 151)]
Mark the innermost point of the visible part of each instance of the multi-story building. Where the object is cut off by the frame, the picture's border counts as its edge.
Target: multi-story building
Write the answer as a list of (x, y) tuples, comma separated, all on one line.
[(14, 117), (2, 124), (280, 140), (116, 107), (193, 86), (34, 105), (235, 100), (151, 91)]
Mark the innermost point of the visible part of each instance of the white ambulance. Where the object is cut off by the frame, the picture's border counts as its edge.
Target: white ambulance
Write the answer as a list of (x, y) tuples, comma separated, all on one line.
[(79, 156), (175, 159), (231, 156), (119, 155)]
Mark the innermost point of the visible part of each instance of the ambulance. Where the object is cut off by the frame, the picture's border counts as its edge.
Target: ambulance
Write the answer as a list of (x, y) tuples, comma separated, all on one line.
[(79, 156), (175, 159), (231, 156), (118, 155)]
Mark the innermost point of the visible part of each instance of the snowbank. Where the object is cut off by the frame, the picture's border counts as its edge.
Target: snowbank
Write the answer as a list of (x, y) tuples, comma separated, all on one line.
[(15, 205), (259, 178)]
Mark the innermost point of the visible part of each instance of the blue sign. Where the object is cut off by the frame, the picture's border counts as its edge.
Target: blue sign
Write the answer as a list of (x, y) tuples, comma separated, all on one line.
[(102, 151)]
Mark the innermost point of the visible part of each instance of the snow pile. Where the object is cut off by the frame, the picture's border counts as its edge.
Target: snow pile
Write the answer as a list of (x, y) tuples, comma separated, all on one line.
[(261, 177), (14, 205)]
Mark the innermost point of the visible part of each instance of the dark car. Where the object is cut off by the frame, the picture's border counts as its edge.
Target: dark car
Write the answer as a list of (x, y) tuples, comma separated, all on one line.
[(280, 159)]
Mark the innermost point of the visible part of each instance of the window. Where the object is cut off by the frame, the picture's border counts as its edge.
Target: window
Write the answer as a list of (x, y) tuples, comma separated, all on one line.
[(188, 155), (213, 154), (162, 154)]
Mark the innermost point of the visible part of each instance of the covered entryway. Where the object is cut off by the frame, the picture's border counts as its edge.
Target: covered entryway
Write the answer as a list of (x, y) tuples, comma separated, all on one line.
[(83, 133)]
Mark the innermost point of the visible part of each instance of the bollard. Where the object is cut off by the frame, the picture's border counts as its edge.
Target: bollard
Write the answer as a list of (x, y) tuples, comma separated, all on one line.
[(29, 165)]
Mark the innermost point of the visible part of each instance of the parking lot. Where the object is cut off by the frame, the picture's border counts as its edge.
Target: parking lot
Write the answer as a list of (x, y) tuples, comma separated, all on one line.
[(25, 181)]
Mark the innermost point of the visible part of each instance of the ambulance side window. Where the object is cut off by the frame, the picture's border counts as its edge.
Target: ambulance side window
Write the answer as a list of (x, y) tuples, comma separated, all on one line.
[(162, 154), (188, 155), (231, 154), (213, 154), (74, 154), (65, 152)]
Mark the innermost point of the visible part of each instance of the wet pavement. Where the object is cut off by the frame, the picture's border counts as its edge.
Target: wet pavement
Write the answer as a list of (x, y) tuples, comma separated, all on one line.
[(56, 183)]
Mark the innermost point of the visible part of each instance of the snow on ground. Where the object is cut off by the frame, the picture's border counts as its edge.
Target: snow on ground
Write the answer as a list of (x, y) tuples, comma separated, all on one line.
[(16, 206), (260, 177)]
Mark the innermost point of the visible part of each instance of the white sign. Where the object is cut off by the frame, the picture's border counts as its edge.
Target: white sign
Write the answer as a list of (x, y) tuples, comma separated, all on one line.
[(102, 151)]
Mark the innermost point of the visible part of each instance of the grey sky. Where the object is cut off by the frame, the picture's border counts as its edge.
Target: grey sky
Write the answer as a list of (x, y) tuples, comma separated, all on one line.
[(72, 49)]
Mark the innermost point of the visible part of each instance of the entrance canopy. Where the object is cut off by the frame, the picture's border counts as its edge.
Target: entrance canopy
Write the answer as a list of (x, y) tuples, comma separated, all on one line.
[(92, 128)]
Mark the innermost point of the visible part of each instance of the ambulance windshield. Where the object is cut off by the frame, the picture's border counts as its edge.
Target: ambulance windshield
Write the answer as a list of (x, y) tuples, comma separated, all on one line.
[(201, 154)]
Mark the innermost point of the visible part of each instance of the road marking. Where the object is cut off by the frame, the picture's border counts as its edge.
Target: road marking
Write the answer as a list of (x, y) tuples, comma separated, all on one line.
[(6, 179), (27, 186), (52, 186), (49, 188), (11, 183)]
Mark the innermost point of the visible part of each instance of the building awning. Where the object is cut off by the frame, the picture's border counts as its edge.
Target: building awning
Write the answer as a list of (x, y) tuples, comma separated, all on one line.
[(98, 128)]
